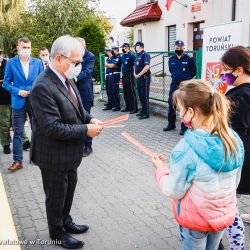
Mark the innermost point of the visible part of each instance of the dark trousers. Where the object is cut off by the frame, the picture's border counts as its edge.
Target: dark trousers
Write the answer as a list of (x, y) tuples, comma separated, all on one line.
[(18, 121), (87, 106), (108, 83), (172, 108), (59, 188), (143, 90), (128, 81), (115, 90)]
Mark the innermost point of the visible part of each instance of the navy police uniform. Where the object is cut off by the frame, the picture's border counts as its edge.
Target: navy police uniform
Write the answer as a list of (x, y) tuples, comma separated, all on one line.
[(117, 61), (142, 59), (181, 70), (108, 82), (128, 80)]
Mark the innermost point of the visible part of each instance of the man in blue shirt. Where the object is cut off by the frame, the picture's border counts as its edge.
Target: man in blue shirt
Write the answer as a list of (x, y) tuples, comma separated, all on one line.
[(142, 74), (21, 71), (128, 80), (84, 84), (115, 65), (182, 68)]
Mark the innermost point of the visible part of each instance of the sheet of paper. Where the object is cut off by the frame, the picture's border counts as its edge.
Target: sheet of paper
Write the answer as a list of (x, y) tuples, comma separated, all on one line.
[(138, 144), (116, 120)]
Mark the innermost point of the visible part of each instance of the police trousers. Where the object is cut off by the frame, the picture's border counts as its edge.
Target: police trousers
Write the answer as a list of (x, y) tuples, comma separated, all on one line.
[(143, 90)]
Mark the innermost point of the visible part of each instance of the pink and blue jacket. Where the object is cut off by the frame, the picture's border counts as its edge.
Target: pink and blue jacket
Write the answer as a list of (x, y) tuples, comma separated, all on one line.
[(202, 182)]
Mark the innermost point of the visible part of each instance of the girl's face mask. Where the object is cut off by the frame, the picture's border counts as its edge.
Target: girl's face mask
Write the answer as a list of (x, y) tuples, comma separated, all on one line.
[(228, 78), (188, 124)]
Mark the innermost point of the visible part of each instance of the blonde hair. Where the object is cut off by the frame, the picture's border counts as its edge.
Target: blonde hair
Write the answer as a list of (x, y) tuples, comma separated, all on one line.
[(200, 95)]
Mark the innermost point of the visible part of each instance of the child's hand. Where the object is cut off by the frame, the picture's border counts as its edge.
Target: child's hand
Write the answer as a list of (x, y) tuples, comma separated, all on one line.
[(159, 162)]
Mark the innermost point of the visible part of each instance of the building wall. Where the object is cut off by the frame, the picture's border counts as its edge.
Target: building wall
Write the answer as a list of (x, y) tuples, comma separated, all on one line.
[(154, 34)]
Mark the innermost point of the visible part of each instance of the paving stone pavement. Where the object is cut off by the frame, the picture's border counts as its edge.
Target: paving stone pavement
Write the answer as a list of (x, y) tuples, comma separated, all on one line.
[(116, 192)]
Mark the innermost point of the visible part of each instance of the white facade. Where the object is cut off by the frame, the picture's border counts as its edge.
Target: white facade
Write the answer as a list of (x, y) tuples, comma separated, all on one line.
[(155, 35)]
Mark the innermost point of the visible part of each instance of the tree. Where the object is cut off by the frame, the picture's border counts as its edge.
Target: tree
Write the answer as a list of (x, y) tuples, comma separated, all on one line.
[(94, 36)]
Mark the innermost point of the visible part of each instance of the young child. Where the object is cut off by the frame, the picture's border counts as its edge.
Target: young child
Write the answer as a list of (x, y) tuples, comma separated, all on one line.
[(204, 168)]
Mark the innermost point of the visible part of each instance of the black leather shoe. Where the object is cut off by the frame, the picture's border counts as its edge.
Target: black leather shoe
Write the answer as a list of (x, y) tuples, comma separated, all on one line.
[(125, 110), (105, 104), (168, 128), (140, 114), (106, 109), (116, 109), (75, 229), (133, 111), (68, 242), (6, 149), (144, 117), (87, 152), (26, 145)]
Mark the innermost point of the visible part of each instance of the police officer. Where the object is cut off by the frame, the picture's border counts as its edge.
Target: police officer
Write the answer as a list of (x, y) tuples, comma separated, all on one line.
[(142, 74), (182, 68), (128, 80), (108, 80), (115, 65)]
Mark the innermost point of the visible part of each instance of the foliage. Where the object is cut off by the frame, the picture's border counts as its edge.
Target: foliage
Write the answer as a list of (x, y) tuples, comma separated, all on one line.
[(94, 36)]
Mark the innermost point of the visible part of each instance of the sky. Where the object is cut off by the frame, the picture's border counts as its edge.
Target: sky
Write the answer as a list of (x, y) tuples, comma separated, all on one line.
[(117, 8)]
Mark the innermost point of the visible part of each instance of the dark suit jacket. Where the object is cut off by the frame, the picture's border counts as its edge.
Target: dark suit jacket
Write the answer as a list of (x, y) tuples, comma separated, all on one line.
[(59, 128), (5, 98), (84, 79)]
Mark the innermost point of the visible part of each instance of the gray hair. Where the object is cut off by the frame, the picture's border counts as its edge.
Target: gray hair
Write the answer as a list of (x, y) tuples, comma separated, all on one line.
[(82, 41), (64, 45)]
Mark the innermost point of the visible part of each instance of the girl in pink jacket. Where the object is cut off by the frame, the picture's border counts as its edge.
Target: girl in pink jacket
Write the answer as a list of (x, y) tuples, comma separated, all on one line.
[(204, 167)]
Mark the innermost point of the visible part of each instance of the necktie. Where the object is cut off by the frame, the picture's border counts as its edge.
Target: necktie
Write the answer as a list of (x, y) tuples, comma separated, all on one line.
[(70, 90)]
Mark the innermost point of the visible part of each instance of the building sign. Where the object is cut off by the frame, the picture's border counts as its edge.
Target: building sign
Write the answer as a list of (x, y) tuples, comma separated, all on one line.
[(216, 40)]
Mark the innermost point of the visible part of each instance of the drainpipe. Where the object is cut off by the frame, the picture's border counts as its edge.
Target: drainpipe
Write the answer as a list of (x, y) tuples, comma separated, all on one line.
[(233, 9)]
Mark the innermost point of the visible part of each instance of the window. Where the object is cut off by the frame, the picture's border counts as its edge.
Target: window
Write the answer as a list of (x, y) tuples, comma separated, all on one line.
[(171, 37), (139, 35)]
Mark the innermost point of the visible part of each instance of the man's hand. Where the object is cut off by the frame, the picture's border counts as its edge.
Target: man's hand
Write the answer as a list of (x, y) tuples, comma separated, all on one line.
[(24, 93), (95, 121), (93, 130), (137, 76)]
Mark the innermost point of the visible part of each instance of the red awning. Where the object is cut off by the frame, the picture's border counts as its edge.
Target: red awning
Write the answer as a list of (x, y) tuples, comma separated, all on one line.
[(144, 13)]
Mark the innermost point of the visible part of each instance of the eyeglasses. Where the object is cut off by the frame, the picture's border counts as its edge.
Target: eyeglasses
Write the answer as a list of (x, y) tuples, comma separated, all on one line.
[(69, 61)]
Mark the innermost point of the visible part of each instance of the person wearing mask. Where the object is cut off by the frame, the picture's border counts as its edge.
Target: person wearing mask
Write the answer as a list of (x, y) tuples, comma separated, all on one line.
[(128, 79), (108, 79), (61, 126), (204, 168), (20, 73), (142, 75), (44, 56), (236, 74), (115, 65), (84, 84), (181, 68)]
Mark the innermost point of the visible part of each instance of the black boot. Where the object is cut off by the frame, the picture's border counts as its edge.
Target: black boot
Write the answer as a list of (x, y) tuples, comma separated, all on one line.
[(6, 149)]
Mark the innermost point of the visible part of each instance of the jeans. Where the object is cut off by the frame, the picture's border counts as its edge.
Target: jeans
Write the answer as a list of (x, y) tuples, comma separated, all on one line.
[(18, 121), (198, 240)]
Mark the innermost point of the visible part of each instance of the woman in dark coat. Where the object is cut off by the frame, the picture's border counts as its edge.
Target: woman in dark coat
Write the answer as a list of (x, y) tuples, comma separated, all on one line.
[(236, 72)]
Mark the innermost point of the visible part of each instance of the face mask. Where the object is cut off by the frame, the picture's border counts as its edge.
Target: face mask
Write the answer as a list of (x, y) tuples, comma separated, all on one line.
[(179, 52), (187, 124), (228, 78), (1, 58), (45, 58), (25, 52), (73, 71), (123, 51)]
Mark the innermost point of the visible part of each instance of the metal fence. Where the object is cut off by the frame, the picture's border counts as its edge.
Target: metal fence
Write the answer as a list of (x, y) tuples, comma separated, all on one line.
[(160, 75)]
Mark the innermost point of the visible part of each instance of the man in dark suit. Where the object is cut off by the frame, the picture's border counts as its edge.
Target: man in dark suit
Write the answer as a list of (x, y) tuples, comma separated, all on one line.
[(60, 127), (84, 84)]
